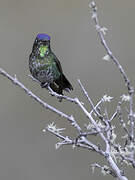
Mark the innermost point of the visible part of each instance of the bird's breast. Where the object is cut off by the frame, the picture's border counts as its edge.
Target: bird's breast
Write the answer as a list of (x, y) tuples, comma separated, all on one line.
[(44, 69)]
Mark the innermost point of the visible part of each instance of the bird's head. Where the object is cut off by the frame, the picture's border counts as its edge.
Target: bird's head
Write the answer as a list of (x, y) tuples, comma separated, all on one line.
[(42, 42)]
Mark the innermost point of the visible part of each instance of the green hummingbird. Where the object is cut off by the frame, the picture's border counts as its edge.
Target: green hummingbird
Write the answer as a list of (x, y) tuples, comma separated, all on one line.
[(45, 66)]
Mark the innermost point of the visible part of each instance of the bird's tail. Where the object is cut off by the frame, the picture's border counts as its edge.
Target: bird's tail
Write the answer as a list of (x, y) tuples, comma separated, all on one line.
[(62, 84), (66, 84)]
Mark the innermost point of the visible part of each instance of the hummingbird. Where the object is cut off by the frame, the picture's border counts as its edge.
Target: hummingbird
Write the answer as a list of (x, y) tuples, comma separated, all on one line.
[(45, 66)]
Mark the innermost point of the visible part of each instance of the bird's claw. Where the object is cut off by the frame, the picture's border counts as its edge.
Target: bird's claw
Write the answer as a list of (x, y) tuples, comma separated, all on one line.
[(44, 85)]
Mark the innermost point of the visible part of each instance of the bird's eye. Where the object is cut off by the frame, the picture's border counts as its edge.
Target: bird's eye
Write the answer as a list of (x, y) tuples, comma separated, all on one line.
[(36, 40)]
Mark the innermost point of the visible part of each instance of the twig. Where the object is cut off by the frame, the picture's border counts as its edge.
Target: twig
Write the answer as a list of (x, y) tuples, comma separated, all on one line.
[(113, 116), (104, 169), (15, 81), (119, 112), (127, 82), (52, 92), (116, 62), (80, 142), (90, 101)]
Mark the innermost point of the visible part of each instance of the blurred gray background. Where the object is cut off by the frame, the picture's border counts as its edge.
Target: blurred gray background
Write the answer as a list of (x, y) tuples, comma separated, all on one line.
[(25, 152)]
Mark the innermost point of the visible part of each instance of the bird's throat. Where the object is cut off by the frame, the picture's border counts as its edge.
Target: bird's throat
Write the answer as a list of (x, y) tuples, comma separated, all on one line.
[(43, 50)]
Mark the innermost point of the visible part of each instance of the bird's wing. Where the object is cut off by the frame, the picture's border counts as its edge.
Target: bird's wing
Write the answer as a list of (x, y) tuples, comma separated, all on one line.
[(58, 63)]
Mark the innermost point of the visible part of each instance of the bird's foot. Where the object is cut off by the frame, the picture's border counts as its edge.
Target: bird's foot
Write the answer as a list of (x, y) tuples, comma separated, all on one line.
[(60, 99), (67, 90), (44, 85)]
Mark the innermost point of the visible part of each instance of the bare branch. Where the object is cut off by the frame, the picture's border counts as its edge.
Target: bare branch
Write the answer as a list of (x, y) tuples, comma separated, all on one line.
[(116, 62), (90, 101), (105, 45), (104, 169), (15, 81)]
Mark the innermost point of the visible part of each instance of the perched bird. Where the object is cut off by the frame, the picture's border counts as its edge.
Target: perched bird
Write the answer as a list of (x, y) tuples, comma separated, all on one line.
[(45, 66)]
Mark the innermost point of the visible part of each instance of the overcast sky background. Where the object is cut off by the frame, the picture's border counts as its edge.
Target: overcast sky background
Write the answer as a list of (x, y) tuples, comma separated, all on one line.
[(25, 152)]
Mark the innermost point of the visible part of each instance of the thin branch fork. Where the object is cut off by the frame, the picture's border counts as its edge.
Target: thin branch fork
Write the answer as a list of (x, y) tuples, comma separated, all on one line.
[(94, 108)]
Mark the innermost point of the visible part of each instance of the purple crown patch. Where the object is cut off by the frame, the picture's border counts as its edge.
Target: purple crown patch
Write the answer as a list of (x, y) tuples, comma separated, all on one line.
[(45, 37)]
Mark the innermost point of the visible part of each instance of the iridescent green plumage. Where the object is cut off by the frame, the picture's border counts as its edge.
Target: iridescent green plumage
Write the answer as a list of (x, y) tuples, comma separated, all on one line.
[(45, 67)]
